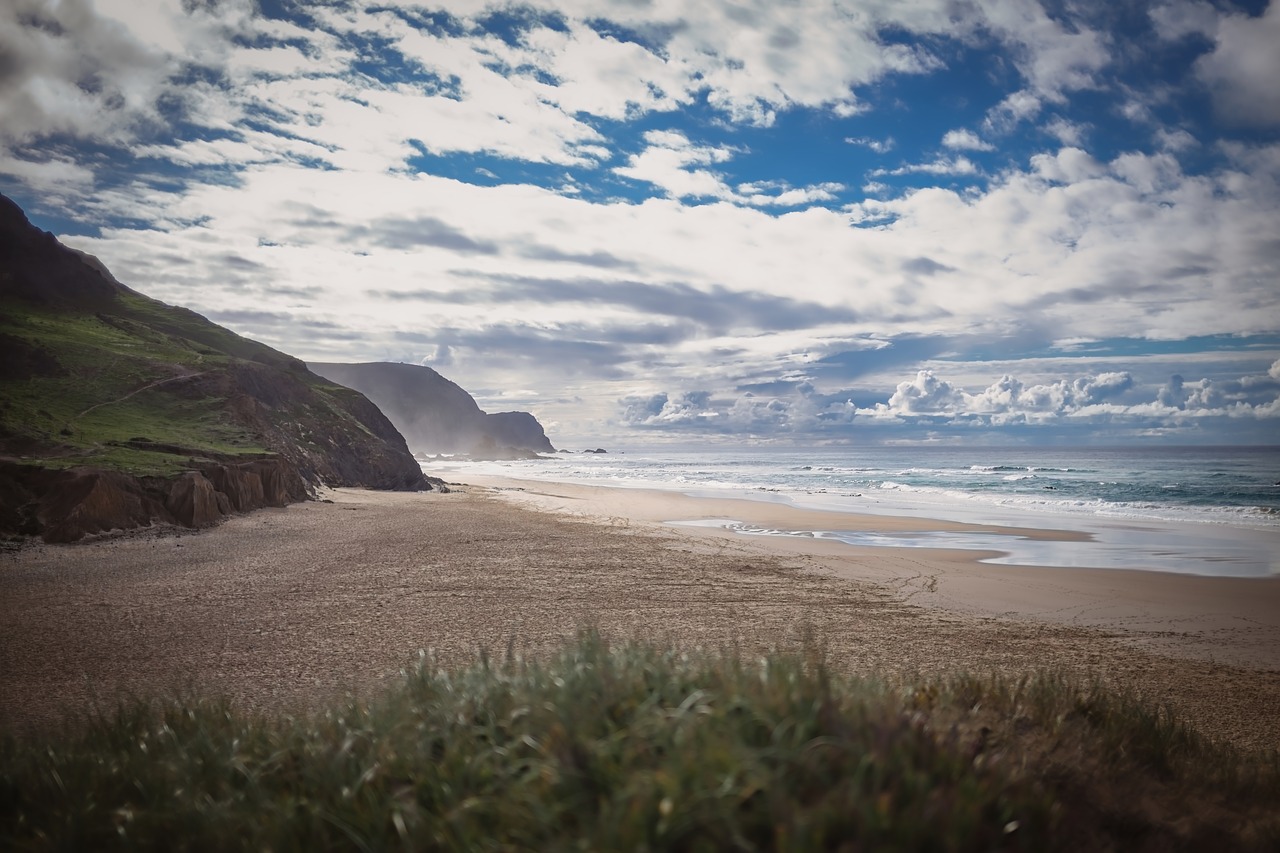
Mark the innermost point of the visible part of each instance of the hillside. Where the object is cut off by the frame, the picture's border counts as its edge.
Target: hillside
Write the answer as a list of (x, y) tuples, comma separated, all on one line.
[(119, 411), (436, 415)]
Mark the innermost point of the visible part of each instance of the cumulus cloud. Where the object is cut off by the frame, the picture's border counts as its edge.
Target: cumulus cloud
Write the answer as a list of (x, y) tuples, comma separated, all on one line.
[(967, 140), (677, 165), (1242, 68), (662, 410), (1054, 56), (1105, 396), (66, 68), (925, 393), (683, 170), (960, 165), (1113, 398), (1066, 132), (1012, 111), (102, 70)]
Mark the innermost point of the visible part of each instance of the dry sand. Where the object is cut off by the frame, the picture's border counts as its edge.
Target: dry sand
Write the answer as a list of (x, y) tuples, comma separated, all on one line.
[(283, 608)]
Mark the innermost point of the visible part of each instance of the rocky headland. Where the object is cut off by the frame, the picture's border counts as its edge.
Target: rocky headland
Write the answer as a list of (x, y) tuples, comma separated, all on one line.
[(435, 415), (118, 411)]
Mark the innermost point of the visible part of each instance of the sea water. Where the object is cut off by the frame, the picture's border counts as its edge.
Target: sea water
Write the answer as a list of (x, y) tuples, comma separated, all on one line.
[(1212, 511)]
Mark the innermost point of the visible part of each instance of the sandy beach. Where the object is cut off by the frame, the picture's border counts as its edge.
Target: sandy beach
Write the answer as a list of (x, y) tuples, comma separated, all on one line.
[(282, 608)]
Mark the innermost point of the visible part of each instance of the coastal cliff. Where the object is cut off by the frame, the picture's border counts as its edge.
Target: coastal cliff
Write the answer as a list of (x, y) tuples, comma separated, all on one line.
[(118, 411), (436, 415)]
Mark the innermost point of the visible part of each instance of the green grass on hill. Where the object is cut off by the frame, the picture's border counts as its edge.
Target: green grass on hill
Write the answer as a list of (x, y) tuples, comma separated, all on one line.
[(117, 378), (632, 746)]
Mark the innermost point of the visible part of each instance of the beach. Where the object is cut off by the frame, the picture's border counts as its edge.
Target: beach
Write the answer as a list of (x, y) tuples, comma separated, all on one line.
[(282, 609)]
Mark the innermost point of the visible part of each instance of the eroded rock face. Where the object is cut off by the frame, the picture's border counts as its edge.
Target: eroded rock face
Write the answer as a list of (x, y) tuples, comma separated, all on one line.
[(193, 501), (65, 506), (85, 502)]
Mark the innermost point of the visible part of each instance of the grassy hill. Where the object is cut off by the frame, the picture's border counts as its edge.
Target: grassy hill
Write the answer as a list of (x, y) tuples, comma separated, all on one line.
[(97, 377)]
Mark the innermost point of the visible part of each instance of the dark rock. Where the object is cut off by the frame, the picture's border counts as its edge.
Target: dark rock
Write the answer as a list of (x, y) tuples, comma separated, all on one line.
[(242, 487), (83, 502), (194, 502)]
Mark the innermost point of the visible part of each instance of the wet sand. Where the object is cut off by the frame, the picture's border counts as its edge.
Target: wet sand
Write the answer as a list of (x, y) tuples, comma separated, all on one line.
[(285, 608), (1223, 619)]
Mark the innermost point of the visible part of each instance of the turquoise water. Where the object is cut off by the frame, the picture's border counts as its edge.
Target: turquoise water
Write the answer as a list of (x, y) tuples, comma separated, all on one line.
[(1212, 511)]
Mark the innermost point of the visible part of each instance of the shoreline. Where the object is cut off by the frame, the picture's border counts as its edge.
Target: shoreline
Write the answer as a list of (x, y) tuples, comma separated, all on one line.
[(1233, 620), (1143, 538), (286, 609)]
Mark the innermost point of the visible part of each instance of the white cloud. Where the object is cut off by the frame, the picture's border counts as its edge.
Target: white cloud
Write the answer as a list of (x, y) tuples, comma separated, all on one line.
[(52, 175), (960, 165), (99, 71), (779, 194), (967, 140), (1069, 165), (662, 410), (927, 394), (70, 70), (675, 164), (879, 146), (924, 394), (1053, 58), (1067, 132), (1111, 398), (1175, 139), (1012, 111), (1072, 247), (1241, 70), (1184, 17), (1067, 245)]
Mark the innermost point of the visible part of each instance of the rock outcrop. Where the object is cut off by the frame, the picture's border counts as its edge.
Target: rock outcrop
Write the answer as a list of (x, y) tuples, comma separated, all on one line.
[(64, 506), (436, 415)]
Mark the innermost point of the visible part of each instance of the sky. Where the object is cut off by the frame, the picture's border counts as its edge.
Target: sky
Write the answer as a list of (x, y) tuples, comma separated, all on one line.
[(659, 222)]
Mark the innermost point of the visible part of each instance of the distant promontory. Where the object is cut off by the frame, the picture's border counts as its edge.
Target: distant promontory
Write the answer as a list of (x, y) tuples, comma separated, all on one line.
[(436, 415)]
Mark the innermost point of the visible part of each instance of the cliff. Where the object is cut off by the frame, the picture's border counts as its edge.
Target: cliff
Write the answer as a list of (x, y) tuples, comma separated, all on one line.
[(435, 415), (118, 411)]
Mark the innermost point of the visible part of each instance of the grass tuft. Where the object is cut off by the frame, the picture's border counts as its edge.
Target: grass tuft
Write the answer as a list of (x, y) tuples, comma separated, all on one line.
[(635, 746)]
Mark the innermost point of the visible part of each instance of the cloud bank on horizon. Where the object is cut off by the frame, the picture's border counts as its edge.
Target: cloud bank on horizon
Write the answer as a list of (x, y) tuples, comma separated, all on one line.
[(970, 220)]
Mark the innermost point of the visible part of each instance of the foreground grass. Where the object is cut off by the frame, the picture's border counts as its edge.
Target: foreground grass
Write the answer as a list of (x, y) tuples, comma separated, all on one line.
[(638, 747)]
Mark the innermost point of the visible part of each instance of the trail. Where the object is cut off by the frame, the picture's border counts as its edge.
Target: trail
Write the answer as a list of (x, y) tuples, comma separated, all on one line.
[(136, 391)]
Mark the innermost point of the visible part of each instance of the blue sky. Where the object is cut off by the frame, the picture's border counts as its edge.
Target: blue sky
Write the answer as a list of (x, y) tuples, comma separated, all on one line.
[(655, 221)]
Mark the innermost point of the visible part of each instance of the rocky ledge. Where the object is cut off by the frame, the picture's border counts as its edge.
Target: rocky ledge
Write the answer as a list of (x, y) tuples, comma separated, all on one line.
[(67, 505)]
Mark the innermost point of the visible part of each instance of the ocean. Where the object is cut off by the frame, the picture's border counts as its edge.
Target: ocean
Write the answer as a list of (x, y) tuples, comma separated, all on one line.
[(1197, 510)]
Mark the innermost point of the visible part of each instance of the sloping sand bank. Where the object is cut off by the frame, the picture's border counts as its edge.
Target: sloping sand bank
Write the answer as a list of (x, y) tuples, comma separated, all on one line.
[(283, 607)]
